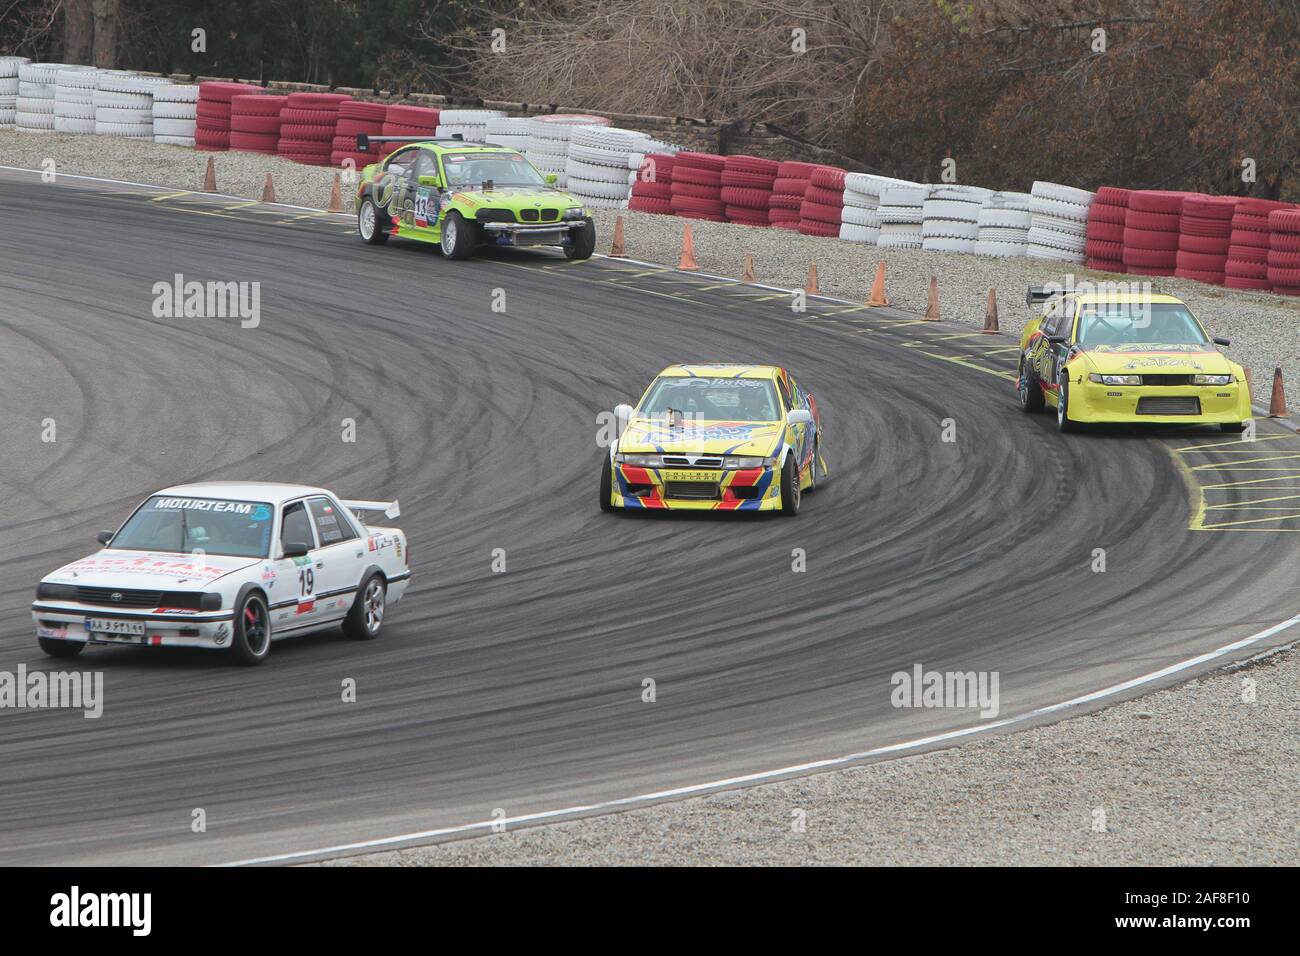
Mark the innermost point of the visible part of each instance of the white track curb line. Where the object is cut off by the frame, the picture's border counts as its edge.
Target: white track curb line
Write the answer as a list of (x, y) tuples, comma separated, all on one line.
[(699, 788)]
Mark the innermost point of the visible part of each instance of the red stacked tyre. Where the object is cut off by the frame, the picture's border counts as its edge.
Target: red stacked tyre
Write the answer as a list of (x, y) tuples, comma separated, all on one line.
[(653, 189), (1204, 232), (696, 189), (255, 122), (1151, 229), (212, 113), (747, 189), (1104, 247), (356, 117), (823, 203), (1248, 249), (403, 120), (787, 193), (307, 124), (1284, 251)]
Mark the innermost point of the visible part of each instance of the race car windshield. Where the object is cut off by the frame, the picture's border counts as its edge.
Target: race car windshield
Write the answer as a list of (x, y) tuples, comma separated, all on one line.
[(502, 169), (239, 529), (1139, 322), (712, 399)]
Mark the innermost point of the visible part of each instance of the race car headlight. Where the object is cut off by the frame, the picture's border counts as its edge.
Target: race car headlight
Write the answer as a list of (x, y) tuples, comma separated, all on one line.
[(56, 592), (741, 461), (642, 461), (1115, 379), (210, 602), (1211, 379), (577, 212)]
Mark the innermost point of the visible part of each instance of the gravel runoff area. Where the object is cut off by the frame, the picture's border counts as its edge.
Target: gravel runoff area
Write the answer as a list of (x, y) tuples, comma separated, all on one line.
[(1191, 775), (1264, 329)]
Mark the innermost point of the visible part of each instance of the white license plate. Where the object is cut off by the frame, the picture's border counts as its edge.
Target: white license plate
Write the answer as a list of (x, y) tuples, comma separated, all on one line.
[(118, 630), (691, 475)]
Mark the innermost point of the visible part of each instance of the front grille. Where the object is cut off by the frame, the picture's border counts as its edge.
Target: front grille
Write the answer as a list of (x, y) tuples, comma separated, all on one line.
[(699, 490), (1166, 380), (495, 215), (139, 598), (550, 215), (1153, 405), (679, 461)]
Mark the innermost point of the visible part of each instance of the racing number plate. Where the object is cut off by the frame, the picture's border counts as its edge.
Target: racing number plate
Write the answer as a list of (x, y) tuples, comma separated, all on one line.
[(691, 475), (115, 630)]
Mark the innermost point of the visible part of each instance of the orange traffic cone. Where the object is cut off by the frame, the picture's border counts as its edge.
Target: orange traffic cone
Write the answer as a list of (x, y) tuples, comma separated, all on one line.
[(268, 190), (932, 301), (1250, 385), (1277, 408), (811, 285), (616, 249), (336, 196), (687, 261), (991, 314), (748, 274), (877, 296), (210, 177)]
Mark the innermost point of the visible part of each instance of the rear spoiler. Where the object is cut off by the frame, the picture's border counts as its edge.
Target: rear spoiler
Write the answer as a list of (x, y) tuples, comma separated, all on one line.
[(389, 508), (365, 139), (1040, 293)]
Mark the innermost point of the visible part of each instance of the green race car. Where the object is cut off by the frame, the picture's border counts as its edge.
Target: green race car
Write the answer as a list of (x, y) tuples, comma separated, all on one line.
[(461, 195)]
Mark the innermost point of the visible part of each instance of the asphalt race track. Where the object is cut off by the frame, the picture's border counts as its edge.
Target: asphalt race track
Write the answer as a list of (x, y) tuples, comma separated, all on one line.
[(522, 690)]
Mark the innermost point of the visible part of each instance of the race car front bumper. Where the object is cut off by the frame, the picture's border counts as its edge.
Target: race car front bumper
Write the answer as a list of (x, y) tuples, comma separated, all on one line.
[(70, 622), (1159, 404), (679, 489), (523, 234)]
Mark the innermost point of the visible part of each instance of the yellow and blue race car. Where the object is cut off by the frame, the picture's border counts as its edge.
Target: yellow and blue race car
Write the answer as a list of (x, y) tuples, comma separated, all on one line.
[(1098, 356), (716, 438)]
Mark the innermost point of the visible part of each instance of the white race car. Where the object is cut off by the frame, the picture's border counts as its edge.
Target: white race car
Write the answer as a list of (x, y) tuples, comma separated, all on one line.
[(228, 565)]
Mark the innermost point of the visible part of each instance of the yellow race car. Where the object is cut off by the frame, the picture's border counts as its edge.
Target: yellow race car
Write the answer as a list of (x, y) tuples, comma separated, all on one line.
[(1098, 356), (715, 438)]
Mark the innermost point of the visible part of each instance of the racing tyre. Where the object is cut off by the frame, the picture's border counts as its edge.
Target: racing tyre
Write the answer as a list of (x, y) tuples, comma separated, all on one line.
[(57, 648), (370, 225), (583, 242), (606, 488), (457, 239), (791, 496), (366, 616), (1063, 420), (252, 641), (1028, 389)]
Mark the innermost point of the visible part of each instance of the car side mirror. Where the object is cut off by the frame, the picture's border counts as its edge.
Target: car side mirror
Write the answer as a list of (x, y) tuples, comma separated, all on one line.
[(798, 416), (430, 181), (552, 178), (623, 413), (295, 549), (104, 537), (1222, 341)]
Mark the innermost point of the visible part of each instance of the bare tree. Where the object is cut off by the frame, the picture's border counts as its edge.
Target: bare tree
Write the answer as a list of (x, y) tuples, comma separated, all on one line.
[(106, 21)]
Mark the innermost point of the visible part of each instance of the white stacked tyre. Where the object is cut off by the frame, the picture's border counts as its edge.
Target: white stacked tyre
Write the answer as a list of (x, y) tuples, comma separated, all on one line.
[(860, 217), (174, 109), (511, 131), (548, 140), (1004, 225), (124, 104), (602, 163), (9, 89), (901, 215), (951, 217), (470, 124), (34, 107), (1058, 222), (74, 100)]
